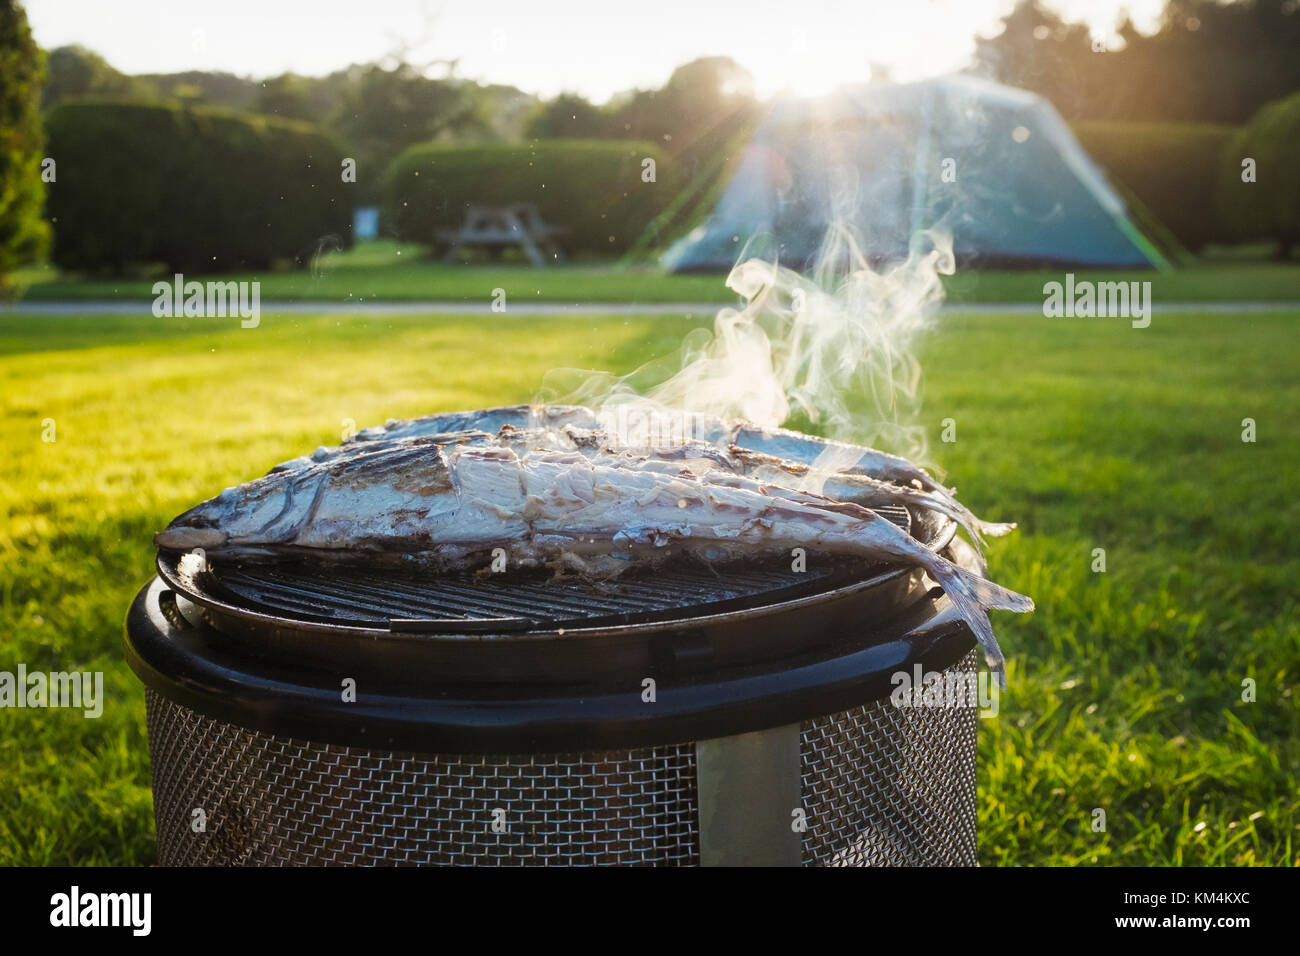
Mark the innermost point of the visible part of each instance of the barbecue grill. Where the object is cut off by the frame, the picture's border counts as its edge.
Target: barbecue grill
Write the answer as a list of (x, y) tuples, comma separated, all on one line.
[(684, 716)]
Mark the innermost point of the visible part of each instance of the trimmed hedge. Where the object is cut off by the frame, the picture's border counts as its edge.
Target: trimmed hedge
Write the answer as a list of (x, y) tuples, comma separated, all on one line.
[(1172, 168), (592, 188), (23, 234), (1268, 208), (199, 190)]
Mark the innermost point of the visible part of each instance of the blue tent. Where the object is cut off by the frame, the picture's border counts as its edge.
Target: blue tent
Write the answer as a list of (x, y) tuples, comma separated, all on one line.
[(995, 166)]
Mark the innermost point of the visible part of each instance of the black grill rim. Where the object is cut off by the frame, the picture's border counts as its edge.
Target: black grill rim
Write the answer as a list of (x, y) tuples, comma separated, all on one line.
[(716, 674), (202, 669)]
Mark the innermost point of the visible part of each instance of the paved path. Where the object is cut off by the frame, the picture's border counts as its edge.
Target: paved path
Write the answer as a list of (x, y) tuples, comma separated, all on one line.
[(115, 307)]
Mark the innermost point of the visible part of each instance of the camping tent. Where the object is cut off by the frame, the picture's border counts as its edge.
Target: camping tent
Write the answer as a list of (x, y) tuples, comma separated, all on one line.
[(995, 166)]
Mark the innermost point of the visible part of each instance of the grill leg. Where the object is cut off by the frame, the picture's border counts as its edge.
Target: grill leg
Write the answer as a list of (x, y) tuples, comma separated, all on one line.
[(749, 787)]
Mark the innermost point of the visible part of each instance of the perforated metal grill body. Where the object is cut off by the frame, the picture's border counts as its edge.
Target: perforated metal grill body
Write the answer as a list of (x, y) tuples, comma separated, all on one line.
[(881, 785)]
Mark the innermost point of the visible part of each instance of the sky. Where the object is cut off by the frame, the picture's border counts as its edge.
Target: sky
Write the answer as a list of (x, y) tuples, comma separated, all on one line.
[(593, 47)]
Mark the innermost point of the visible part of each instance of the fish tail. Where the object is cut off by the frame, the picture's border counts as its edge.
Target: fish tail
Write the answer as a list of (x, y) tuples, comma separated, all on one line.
[(944, 500), (977, 529), (943, 503), (974, 597), (972, 594)]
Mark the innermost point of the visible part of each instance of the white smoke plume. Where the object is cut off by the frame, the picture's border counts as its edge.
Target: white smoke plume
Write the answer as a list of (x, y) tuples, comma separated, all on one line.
[(832, 349)]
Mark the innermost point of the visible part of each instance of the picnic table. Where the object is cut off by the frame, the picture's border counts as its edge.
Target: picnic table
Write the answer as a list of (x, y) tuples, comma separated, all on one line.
[(501, 226)]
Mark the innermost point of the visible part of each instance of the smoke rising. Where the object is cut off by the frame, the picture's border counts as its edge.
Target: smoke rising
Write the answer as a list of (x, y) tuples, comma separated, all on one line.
[(833, 348)]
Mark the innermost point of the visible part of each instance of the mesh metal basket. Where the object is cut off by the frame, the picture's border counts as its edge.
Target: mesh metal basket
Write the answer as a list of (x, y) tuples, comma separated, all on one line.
[(880, 785)]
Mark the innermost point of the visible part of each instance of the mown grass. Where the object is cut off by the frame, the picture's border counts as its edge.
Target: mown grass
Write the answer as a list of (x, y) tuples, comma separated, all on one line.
[(1126, 686), (388, 271)]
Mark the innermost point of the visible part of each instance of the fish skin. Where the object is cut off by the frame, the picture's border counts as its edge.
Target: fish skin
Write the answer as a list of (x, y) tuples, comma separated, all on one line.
[(841, 486), (448, 504), (779, 443), (411, 499), (477, 426), (350, 448), (734, 466), (807, 449), (811, 451), (490, 420), (575, 427)]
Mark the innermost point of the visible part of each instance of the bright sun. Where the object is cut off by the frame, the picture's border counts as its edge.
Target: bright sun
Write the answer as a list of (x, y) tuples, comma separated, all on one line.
[(813, 75)]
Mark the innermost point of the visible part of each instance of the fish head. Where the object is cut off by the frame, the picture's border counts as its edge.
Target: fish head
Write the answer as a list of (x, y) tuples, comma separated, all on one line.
[(244, 515)]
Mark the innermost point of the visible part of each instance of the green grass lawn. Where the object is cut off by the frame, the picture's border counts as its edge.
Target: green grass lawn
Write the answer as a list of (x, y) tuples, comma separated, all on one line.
[(1125, 687), (387, 271)]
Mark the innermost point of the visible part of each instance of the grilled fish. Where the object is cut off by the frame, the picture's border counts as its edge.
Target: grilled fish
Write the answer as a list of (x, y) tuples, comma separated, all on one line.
[(448, 501), (854, 486), (645, 429)]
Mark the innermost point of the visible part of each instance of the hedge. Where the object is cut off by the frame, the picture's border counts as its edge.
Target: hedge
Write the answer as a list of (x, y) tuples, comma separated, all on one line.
[(593, 188), (1172, 168), (1269, 207), (23, 234), (199, 190)]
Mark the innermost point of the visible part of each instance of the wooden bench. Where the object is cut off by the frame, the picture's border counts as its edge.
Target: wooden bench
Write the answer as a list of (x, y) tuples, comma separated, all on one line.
[(495, 227)]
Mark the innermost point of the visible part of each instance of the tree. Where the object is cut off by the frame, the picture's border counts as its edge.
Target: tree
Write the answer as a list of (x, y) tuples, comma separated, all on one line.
[(699, 96), (1208, 61), (1039, 51), (1259, 194), (384, 110), (209, 88), (568, 116), (76, 73), (286, 95), (508, 109), (23, 234)]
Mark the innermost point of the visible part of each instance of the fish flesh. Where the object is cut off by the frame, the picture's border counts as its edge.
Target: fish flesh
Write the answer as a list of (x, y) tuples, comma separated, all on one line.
[(646, 428), (564, 496), (490, 420), (857, 487), (847, 472), (643, 427)]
